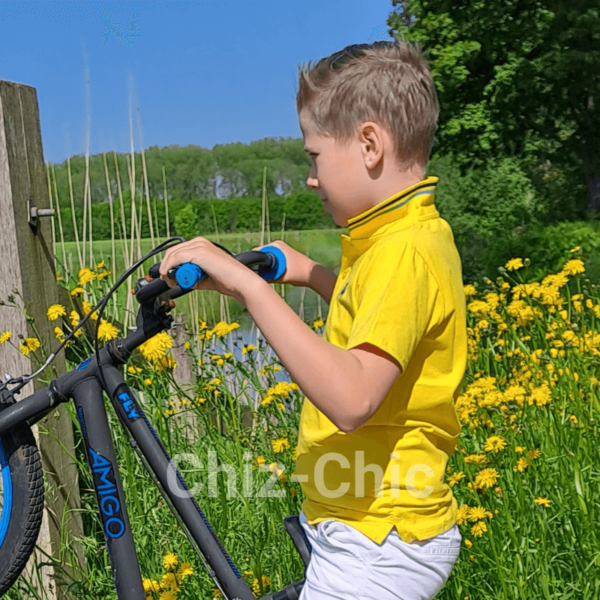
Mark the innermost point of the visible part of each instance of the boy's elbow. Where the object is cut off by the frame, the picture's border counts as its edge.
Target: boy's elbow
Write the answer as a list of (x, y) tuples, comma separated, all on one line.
[(353, 420)]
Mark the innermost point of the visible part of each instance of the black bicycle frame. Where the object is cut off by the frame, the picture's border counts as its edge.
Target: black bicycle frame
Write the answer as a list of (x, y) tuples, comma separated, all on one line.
[(83, 386)]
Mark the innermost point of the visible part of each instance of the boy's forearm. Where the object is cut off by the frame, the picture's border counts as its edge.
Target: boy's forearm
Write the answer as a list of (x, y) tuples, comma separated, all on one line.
[(322, 280), (329, 376)]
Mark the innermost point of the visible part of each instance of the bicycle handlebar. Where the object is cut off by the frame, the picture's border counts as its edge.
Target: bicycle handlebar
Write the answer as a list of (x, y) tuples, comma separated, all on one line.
[(269, 263)]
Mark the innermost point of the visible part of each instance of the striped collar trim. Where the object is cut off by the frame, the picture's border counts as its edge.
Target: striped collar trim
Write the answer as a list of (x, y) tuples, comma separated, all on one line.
[(392, 209)]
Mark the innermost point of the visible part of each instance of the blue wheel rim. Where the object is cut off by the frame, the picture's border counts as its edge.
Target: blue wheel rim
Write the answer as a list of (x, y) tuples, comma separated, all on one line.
[(5, 494)]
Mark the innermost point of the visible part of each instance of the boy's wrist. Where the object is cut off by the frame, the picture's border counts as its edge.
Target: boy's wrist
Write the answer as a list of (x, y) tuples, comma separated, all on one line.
[(321, 280)]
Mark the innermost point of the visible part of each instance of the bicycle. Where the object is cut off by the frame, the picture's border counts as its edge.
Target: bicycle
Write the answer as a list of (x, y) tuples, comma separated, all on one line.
[(21, 492)]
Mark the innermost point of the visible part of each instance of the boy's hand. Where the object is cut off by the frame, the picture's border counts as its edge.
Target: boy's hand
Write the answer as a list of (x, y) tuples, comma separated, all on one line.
[(225, 274), (298, 265)]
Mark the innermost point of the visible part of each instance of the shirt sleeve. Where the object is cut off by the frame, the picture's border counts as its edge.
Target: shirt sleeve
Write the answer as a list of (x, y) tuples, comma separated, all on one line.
[(398, 301)]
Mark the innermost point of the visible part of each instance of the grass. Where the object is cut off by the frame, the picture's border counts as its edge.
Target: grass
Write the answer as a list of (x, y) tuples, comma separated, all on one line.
[(525, 471), (322, 246)]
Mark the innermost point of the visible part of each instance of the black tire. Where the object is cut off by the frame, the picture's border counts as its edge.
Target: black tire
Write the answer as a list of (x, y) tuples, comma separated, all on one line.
[(19, 535)]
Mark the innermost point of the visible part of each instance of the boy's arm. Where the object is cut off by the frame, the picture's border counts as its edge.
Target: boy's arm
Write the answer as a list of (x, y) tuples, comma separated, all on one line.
[(321, 280), (347, 386)]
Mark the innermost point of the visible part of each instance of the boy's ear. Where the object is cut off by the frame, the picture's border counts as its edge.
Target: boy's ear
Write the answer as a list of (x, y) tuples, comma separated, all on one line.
[(371, 137)]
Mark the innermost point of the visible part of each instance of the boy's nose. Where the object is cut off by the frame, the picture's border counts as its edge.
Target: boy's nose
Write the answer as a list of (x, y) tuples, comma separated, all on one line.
[(312, 182)]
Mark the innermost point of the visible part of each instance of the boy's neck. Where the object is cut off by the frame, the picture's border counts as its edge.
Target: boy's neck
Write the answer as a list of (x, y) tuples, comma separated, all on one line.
[(389, 188)]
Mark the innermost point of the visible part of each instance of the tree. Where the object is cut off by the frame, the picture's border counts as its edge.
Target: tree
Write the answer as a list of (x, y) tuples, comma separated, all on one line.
[(518, 78)]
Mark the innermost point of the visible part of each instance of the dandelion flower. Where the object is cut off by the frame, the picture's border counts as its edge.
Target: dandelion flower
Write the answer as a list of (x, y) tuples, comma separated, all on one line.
[(77, 292), (494, 443), (185, 569), (85, 276), (280, 445), (168, 363), (468, 543), (462, 514), (478, 529), (107, 331), (477, 513), (248, 348), (29, 345), (455, 478), (519, 449), (74, 318), (476, 459), (156, 347), (318, 323), (87, 308), (541, 501), (55, 311), (513, 264), (522, 464), (533, 454), (5, 337), (265, 583), (170, 561), (572, 267), (486, 478)]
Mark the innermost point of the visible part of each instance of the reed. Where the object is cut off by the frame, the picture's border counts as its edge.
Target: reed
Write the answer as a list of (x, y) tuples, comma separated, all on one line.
[(60, 225)]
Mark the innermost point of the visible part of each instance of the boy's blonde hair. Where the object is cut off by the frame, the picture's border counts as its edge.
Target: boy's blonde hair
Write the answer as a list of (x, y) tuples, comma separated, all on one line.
[(385, 82)]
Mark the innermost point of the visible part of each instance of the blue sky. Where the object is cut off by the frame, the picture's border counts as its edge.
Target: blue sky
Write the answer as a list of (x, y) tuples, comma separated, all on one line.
[(201, 73)]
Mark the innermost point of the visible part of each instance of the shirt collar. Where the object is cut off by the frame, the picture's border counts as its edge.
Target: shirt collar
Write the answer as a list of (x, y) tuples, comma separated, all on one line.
[(396, 212), (413, 202)]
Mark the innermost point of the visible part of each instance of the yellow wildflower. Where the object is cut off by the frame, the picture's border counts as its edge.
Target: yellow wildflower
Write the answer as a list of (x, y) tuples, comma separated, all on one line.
[(477, 459), (519, 449), (541, 501), (462, 514), (77, 292), (150, 585), (468, 543), (107, 331), (185, 569), (486, 478), (29, 345), (318, 323), (478, 512), (223, 328), (533, 454), (513, 264), (280, 445), (85, 276), (455, 478), (87, 307), (5, 337), (168, 363), (265, 583), (59, 334), (522, 464), (248, 348), (55, 311), (494, 444), (170, 561), (572, 267), (156, 347), (74, 318), (478, 529)]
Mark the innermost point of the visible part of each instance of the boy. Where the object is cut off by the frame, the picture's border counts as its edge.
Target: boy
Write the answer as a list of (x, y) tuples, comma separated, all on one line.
[(378, 423)]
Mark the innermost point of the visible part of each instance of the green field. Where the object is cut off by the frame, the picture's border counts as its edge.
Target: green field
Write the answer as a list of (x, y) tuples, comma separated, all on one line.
[(322, 245)]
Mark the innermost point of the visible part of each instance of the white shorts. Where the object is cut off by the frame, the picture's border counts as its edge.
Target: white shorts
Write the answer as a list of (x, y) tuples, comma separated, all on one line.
[(347, 564)]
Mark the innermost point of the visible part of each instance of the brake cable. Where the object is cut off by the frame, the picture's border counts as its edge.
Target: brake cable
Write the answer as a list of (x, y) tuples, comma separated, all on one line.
[(101, 305)]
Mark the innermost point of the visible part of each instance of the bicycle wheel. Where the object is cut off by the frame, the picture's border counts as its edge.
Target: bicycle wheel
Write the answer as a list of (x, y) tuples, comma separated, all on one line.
[(21, 502)]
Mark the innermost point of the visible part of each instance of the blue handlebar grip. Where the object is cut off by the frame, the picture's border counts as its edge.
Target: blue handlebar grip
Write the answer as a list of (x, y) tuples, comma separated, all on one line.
[(280, 263), (188, 275)]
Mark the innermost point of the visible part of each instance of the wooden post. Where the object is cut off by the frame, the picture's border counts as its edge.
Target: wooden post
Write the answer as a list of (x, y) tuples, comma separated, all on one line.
[(27, 264)]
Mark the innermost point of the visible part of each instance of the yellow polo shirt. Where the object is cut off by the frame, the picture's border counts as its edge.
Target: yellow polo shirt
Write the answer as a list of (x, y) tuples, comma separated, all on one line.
[(399, 288)]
